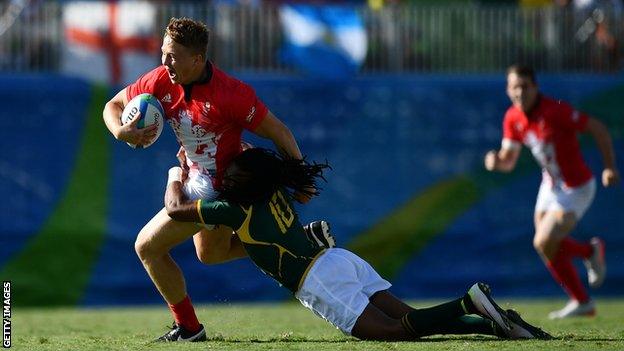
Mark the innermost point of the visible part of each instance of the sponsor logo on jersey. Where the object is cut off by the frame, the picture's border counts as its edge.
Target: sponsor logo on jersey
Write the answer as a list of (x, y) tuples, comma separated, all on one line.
[(167, 98)]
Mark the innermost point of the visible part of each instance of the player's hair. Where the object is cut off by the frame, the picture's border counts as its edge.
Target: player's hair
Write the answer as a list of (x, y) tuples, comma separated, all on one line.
[(189, 33), (522, 71), (256, 173)]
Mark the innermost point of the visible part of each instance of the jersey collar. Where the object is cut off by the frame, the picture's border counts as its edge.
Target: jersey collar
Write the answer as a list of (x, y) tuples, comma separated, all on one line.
[(205, 79)]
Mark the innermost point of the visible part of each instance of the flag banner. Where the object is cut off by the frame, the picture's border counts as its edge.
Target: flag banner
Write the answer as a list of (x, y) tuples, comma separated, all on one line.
[(109, 41), (323, 41)]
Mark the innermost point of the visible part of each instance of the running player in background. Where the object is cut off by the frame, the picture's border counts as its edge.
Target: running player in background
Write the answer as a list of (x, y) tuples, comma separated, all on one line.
[(549, 129), (337, 285), (208, 111)]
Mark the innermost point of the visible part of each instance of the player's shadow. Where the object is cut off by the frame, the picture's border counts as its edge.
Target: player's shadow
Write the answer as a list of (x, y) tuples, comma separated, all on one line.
[(434, 339), (574, 338)]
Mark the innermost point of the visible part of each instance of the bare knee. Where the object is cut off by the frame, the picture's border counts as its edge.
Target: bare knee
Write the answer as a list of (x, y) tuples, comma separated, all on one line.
[(539, 244), (546, 246), (146, 248), (374, 324)]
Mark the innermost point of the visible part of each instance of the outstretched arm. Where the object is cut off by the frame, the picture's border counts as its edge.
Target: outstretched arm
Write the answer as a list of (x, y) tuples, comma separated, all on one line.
[(599, 132), (503, 160)]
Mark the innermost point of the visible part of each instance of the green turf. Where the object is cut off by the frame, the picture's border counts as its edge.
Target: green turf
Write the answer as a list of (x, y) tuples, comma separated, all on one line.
[(288, 326)]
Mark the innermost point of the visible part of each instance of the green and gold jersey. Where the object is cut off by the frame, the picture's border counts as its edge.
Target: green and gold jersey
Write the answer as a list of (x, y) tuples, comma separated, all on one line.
[(271, 233)]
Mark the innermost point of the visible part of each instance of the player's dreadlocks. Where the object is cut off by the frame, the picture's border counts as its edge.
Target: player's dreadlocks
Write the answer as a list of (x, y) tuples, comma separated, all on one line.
[(255, 174)]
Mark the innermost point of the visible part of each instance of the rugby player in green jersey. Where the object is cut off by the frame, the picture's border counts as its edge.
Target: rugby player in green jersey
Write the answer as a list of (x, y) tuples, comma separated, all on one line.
[(334, 283)]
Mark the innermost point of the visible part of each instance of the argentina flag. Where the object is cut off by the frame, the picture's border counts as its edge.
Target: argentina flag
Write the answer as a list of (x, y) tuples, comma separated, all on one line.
[(327, 41)]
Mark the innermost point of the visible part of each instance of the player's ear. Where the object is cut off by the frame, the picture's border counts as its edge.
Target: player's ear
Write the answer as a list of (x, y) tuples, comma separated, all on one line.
[(199, 59)]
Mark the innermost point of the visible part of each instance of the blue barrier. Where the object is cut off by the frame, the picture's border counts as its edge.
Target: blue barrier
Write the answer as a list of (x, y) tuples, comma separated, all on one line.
[(40, 127), (388, 138)]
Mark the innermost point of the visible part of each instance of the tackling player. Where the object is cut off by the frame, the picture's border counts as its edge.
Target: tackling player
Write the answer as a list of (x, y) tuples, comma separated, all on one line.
[(208, 111), (549, 129), (334, 283)]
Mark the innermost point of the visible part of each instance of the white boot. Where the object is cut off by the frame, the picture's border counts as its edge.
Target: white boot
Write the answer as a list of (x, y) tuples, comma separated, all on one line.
[(574, 309), (596, 265)]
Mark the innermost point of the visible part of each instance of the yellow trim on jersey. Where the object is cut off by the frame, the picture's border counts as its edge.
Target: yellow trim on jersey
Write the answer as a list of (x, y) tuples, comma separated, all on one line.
[(198, 207), (305, 273)]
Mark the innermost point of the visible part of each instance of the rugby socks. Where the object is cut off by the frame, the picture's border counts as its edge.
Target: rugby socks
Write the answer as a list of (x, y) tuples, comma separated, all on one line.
[(562, 269), (469, 325), (431, 320), (184, 315), (576, 248)]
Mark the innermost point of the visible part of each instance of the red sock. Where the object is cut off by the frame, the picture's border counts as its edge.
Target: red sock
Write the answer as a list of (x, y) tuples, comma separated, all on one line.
[(576, 248), (184, 314), (565, 274)]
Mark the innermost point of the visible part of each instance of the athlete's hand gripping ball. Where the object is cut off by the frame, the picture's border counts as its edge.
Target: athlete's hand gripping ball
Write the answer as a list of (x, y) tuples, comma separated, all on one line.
[(142, 121)]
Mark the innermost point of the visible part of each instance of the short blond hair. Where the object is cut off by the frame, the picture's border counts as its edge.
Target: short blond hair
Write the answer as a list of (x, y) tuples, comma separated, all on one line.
[(189, 33)]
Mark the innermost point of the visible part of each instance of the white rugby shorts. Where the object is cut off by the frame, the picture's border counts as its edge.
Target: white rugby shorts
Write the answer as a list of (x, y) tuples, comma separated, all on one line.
[(338, 287), (199, 186), (576, 200)]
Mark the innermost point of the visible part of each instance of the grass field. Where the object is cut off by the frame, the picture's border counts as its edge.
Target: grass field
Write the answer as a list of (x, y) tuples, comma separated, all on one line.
[(288, 326)]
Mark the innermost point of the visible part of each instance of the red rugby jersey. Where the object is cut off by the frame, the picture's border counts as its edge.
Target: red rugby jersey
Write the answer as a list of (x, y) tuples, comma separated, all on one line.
[(209, 123), (550, 132)]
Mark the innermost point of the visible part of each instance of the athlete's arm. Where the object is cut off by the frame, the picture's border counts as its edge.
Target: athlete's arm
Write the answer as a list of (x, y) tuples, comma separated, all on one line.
[(273, 129), (503, 160), (128, 132), (599, 132), (178, 206)]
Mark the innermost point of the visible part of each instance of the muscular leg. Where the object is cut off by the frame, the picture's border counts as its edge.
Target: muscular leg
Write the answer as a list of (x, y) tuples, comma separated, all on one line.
[(390, 304), (381, 320), (152, 246), (373, 324), (551, 228), (217, 245)]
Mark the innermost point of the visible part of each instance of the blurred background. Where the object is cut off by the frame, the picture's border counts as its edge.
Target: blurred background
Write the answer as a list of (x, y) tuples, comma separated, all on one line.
[(403, 98)]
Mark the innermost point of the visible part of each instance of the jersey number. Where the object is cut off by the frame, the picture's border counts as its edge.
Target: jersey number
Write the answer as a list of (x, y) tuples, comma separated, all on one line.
[(281, 211)]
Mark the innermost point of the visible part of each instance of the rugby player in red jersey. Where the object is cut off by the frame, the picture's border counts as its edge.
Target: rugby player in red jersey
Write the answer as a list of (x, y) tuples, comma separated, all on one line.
[(549, 129), (208, 111)]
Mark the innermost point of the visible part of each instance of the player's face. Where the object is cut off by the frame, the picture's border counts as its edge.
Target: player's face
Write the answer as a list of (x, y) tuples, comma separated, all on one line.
[(182, 65), (522, 91)]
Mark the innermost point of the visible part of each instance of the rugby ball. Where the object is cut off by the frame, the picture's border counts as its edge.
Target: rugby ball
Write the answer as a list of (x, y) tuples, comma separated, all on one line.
[(151, 112)]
